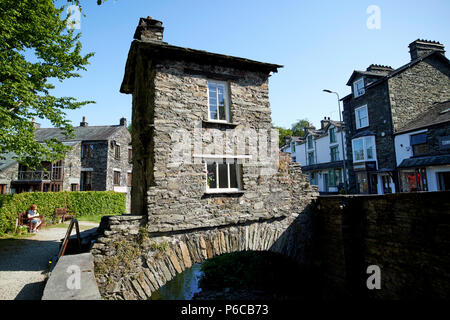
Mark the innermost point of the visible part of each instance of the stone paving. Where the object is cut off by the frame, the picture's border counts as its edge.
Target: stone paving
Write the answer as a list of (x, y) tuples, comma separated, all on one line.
[(24, 263)]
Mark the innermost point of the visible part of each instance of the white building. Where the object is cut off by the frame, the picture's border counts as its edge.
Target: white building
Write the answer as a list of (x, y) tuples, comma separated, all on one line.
[(422, 149), (320, 155)]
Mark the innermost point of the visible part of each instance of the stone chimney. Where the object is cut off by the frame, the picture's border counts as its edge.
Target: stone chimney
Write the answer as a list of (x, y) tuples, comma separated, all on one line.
[(35, 124), (324, 122), (123, 121), (421, 47), (83, 123), (149, 30)]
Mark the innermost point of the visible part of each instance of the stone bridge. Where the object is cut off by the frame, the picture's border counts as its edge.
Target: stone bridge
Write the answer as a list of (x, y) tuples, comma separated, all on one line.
[(136, 255)]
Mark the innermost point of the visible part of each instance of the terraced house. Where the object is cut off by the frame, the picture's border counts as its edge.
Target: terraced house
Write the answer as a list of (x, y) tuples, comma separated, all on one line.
[(100, 159), (384, 100)]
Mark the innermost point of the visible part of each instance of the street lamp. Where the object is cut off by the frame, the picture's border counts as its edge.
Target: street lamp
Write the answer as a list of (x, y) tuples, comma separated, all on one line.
[(342, 138)]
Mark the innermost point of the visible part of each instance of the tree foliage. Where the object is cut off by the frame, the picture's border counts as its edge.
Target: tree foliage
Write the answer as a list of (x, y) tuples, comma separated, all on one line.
[(36, 49), (297, 129)]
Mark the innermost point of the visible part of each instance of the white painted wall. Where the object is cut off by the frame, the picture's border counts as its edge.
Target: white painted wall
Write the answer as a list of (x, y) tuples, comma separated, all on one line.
[(402, 144), (432, 177)]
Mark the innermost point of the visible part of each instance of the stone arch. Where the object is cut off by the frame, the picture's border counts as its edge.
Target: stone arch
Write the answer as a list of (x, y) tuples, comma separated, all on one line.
[(179, 252)]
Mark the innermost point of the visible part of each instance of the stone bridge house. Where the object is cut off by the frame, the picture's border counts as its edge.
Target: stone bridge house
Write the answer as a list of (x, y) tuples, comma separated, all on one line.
[(211, 202)]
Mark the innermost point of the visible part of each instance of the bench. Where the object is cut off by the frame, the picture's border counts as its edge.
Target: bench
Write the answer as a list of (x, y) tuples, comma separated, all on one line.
[(22, 220), (61, 214)]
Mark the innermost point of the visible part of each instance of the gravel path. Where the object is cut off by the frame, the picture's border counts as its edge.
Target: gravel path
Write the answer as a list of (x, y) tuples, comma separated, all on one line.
[(24, 263)]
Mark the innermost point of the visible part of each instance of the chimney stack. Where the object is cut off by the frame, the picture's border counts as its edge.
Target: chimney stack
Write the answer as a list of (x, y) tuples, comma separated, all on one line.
[(324, 122), (149, 30), (35, 124), (83, 123), (421, 47), (123, 121)]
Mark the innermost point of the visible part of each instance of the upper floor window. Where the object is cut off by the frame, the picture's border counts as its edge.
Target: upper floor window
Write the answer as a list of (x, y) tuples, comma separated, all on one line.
[(310, 142), (363, 149), (293, 147), (116, 151), (130, 155), (223, 176), (333, 135), (334, 152), (218, 101), (87, 151), (419, 144), (362, 117), (358, 87)]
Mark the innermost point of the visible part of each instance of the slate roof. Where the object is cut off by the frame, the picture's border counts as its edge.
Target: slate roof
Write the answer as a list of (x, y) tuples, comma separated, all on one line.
[(436, 114), (397, 71), (425, 161), (8, 161), (163, 50), (89, 133)]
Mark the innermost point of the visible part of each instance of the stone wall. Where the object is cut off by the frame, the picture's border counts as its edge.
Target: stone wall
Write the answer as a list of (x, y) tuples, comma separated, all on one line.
[(72, 167), (407, 235), (131, 265), (9, 174), (417, 88)]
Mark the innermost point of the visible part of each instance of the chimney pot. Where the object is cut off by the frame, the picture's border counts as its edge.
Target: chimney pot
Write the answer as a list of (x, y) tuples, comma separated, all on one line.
[(35, 124), (123, 121)]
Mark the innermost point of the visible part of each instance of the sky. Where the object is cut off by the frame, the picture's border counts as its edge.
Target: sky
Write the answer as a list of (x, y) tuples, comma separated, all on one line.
[(319, 43)]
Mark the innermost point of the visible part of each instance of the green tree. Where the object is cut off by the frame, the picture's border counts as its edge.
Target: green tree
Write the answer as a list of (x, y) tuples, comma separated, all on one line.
[(36, 50), (298, 128), (283, 133)]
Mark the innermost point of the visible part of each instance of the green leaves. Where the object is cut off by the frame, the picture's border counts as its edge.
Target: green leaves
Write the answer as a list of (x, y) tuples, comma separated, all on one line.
[(36, 48)]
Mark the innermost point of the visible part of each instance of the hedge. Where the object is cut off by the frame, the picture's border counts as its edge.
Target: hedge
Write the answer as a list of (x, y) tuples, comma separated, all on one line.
[(82, 203)]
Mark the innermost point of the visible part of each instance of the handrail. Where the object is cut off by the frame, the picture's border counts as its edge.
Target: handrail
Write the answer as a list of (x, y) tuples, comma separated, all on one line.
[(66, 238)]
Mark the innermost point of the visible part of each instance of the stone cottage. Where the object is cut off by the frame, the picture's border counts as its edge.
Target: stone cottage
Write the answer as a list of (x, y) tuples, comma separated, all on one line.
[(199, 100), (382, 101), (99, 160)]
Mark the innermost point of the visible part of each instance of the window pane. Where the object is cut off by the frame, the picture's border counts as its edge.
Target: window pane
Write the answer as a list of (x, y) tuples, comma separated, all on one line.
[(221, 103), (212, 179), (369, 147), (233, 175), (213, 100), (358, 149), (223, 175)]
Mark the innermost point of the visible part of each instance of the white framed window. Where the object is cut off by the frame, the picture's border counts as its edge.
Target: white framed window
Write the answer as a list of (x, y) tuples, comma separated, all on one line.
[(333, 135), (218, 101), (311, 158), (310, 142), (362, 117), (364, 149), (223, 175), (358, 88)]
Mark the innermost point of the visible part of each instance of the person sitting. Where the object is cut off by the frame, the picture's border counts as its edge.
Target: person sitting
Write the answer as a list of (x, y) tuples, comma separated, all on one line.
[(35, 218)]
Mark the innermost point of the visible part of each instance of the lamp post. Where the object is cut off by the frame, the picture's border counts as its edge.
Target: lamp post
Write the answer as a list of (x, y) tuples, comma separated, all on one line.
[(342, 138)]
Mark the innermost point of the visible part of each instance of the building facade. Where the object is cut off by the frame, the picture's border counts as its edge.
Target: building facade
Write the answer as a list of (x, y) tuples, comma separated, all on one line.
[(383, 100), (217, 108), (423, 151), (99, 160), (320, 154)]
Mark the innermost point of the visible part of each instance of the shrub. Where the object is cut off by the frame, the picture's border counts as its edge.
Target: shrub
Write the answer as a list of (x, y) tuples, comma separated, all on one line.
[(82, 203)]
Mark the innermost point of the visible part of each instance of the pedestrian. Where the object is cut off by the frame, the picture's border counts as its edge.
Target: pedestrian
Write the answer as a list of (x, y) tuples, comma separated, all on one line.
[(35, 218)]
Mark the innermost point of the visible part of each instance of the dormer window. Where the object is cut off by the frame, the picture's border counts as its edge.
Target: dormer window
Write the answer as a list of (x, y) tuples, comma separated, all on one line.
[(219, 109), (358, 88), (310, 142)]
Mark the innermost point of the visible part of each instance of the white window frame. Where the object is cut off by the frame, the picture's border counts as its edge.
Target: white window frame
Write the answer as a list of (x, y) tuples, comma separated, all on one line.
[(364, 139), (223, 190), (357, 119), (356, 93), (312, 142), (227, 102)]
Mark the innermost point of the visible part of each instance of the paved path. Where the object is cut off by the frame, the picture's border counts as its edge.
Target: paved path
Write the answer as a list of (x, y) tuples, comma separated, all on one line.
[(24, 263)]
